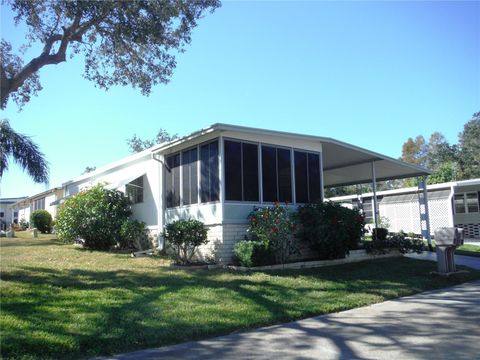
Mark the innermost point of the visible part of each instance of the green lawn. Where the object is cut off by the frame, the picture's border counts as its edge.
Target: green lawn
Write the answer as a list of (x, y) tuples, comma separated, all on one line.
[(58, 301), (468, 250)]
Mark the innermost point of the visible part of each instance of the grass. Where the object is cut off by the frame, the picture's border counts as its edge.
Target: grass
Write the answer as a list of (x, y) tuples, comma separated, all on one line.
[(59, 301), (467, 249)]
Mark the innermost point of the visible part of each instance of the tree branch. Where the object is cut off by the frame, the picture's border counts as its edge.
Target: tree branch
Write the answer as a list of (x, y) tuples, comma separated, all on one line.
[(45, 58)]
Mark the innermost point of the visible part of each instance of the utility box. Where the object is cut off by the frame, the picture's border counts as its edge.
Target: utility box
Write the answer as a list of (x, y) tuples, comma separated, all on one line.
[(446, 240)]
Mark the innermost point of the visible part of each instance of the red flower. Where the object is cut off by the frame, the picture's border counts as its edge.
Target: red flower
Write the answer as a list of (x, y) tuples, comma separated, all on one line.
[(275, 230)]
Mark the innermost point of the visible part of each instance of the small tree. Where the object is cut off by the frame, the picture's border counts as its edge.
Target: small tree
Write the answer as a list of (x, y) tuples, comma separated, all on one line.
[(184, 237), (95, 215), (42, 220)]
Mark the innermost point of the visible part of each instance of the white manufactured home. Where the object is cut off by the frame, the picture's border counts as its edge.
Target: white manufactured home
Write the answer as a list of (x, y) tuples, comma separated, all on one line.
[(450, 204), (219, 174)]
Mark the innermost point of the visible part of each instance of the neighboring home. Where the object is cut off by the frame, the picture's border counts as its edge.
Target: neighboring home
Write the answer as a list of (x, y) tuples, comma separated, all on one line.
[(9, 212), (450, 204), (41, 201), (219, 174)]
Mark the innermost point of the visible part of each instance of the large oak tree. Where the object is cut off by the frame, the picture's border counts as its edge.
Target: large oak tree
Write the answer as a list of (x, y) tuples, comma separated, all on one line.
[(123, 42)]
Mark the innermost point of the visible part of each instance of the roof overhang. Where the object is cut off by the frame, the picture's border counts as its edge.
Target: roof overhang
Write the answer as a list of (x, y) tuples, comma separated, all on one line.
[(343, 163)]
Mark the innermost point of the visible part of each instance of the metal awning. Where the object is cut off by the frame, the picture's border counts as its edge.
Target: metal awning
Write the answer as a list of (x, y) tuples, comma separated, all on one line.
[(345, 164)]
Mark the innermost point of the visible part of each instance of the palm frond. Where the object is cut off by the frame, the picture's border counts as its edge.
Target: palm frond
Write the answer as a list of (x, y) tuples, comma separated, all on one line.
[(24, 152)]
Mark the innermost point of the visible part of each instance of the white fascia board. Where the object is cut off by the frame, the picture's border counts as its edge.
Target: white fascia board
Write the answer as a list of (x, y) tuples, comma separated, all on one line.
[(393, 192)]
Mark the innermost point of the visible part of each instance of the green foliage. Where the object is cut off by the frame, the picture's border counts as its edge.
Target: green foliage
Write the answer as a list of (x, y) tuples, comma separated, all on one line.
[(469, 148), (23, 151), (396, 241), (134, 235), (184, 237), (445, 172), (42, 220), (330, 229), (137, 144), (243, 251), (23, 224), (123, 43), (379, 234), (95, 215), (273, 228)]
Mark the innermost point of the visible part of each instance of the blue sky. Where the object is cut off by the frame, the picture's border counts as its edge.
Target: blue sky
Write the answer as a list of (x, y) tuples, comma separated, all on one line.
[(368, 73)]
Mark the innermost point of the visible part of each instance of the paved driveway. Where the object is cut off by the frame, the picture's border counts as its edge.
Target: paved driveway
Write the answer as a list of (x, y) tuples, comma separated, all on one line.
[(441, 324)]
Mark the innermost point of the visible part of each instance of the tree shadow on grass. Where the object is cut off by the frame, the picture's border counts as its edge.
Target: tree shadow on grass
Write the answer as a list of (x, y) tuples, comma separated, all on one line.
[(80, 312)]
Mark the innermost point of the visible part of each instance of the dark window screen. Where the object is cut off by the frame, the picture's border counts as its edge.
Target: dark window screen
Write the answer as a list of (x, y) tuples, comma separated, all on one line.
[(301, 177), (269, 173), (250, 172), (209, 183), (172, 183), (233, 170), (189, 172), (284, 175), (314, 178)]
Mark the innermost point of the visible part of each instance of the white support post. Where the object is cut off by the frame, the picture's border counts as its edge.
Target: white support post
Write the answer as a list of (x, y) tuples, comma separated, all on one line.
[(424, 213), (322, 186), (374, 186)]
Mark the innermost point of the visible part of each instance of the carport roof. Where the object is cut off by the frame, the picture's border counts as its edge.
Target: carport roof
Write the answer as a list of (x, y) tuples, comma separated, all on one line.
[(343, 163)]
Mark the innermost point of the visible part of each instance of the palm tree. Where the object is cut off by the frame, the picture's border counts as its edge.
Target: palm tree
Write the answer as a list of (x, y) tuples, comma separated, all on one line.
[(24, 152)]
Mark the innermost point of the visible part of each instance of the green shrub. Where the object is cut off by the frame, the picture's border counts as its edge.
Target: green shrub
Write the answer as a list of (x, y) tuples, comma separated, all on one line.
[(23, 224), (330, 229), (396, 241), (42, 220), (94, 215), (379, 234), (184, 237), (134, 235), (243, 251), (273, 228)]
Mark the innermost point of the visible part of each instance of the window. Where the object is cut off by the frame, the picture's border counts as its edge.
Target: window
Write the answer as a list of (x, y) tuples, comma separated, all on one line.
[(368, 211), (459, 204), (276, 174), (2, 214), (472, 202), (189, 176), (209, 182), (134, 190), (39, 204), (172, 180), (466, 203), (241, 171), (307, 177), (15, 214)]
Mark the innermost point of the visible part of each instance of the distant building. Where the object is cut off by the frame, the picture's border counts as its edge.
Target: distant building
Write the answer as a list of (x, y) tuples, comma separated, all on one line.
[(450, 204), (8, 211)]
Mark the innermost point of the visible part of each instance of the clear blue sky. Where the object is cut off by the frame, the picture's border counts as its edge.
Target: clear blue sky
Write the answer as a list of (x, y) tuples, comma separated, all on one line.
[(368, 73)]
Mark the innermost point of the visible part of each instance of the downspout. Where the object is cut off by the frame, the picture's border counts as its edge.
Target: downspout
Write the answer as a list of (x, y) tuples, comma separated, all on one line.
[(160, 207)]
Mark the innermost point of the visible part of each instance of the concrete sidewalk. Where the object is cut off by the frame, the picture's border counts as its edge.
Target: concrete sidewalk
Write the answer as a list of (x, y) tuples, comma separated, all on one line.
[(470, 261), (441, 324)]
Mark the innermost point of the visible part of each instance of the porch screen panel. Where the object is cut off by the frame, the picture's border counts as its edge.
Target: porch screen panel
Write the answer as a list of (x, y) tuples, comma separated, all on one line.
[(284, 175), (269, 173), (314, 178), (233, 170), (172, 181), (209, 182), (189, 174), (301, 177), (250, 172)]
